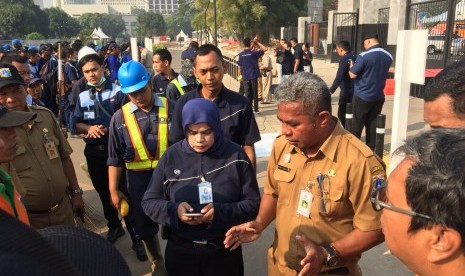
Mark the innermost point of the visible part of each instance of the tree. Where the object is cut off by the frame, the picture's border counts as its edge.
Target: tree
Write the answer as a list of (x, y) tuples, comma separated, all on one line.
[(61, 24), (182, 19), (18, 18), (150, 24), (35, 36), (243, 18), (112, 24)]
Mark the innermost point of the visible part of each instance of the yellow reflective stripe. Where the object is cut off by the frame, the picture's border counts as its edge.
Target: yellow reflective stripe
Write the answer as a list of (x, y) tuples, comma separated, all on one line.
[(142, 158), (162, 128), (178, 86)]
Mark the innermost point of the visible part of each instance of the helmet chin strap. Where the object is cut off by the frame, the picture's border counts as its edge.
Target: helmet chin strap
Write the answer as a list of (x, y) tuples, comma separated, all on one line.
[(102, 80)]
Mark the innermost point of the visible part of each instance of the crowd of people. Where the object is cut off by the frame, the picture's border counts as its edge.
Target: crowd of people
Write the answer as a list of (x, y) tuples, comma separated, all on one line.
[(179, 147)]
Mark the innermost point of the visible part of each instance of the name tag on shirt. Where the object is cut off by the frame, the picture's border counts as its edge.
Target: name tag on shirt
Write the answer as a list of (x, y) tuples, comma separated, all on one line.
[(89, 115), (305, 203), (205, 192), (51, 150)]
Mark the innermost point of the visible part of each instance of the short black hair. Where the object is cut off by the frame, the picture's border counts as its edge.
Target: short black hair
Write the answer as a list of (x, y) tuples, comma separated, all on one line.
[(164, 55), (247, 42), (344, 45), (194, 45), (435, 184), (14, 57), (92, 57), (450, 81), (293, 39), (32, 52), (205, 49)]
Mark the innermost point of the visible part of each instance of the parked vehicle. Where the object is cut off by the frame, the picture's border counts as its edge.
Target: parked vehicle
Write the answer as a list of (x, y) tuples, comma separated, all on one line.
[(436, 43)]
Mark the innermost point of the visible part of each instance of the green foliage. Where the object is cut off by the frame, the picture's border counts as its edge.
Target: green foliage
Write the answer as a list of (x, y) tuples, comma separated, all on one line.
[(150, 24), (111, 24), (61, 24), (35, 36), (243, 18), (182, 19), (157, 47)]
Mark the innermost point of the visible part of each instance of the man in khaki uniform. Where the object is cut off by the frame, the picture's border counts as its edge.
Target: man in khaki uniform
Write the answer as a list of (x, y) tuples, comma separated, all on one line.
[(42, 162), (266, 66), (319, 184)]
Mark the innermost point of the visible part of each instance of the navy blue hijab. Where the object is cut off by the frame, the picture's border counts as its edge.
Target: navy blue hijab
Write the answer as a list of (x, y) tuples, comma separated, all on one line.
[(200, 110)]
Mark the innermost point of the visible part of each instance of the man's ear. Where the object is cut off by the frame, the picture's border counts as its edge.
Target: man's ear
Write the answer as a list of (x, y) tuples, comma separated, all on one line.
[(225, 68), (324, 117), (445, 243)]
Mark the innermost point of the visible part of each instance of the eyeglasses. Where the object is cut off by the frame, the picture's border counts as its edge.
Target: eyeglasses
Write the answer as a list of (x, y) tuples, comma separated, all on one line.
[(379, 193)]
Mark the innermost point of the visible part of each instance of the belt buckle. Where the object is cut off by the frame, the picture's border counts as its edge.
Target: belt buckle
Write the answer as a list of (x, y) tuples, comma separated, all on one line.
[(200, 243)]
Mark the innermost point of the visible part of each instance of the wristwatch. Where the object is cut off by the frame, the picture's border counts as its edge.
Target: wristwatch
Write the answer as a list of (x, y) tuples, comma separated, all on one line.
[(331, 259), (77, 191)]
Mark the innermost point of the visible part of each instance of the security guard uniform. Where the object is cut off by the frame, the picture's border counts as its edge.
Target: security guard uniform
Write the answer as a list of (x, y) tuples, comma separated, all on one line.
[(348, 167), (137, 140), (96, 108), (38, 164)]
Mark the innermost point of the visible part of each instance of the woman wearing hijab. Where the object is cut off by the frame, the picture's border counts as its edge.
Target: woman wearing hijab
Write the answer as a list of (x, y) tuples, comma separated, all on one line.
[(202, 186)]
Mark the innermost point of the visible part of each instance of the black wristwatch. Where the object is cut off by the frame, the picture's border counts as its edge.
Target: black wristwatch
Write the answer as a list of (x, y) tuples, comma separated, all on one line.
[(331, 259)]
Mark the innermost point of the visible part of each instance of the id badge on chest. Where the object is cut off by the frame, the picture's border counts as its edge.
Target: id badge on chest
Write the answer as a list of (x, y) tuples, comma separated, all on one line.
[(50, 147), (51, 150), (205, 192), (89, 115), (305, 203)]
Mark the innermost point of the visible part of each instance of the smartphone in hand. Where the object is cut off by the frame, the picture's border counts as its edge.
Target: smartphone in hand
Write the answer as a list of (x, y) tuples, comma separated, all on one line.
[(193, 214)]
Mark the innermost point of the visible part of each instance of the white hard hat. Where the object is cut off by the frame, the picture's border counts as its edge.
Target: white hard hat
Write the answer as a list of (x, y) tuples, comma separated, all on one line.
[(85, 51)]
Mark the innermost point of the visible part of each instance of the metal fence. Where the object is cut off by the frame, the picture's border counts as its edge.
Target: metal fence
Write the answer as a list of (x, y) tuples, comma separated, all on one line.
[(316, 35), (383, 26), (345, 27), (231, 66), (445, 22), (289, 32)]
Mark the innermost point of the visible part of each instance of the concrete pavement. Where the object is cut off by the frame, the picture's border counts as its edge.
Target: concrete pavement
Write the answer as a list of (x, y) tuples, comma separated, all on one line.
[(373, 261)]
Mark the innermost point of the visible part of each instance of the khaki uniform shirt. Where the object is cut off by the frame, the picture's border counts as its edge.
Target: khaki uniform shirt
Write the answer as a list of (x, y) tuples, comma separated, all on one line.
[(349, 165), (146, 57), (43, 179)]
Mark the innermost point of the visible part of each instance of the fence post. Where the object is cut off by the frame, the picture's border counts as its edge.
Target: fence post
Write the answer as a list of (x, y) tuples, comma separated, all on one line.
[(349, 116), (380, 130)]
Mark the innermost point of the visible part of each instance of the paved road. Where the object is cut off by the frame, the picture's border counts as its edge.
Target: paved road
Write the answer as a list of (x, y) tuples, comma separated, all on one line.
[(373, 262)]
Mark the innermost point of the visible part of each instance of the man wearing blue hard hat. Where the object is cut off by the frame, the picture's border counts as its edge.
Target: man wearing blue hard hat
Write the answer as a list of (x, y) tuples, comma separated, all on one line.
[(138, 137)]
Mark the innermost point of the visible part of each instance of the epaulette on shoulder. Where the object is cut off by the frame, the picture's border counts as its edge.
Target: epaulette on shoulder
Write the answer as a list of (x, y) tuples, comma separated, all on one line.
[(362, 147), (38, 107)]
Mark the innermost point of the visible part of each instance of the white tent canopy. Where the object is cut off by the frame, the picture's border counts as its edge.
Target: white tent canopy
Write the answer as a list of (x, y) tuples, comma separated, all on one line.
[(99, 34), (183, 35)]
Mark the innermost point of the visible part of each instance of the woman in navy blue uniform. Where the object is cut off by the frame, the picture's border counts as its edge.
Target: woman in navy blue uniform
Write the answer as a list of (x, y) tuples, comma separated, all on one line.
[(202, 186)]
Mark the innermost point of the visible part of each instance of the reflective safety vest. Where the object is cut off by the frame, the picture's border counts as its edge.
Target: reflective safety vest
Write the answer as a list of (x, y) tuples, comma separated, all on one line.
[(143, 160), (11, 205), (178, 86)]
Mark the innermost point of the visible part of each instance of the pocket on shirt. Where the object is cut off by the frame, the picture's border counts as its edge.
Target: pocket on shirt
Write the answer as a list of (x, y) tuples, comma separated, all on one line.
[(23, 163), (286, 185), (333, 199)]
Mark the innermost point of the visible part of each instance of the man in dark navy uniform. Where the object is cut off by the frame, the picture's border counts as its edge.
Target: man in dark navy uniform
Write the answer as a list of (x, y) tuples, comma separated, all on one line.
[(370, 73), (236, 114)]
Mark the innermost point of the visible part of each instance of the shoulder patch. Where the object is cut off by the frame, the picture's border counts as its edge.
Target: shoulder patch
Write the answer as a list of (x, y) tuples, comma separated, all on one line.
[(362, 147)]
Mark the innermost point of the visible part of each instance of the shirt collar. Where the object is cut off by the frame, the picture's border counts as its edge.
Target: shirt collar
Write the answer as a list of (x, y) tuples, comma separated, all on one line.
[(329, 147), (220, 99), (156, 102)]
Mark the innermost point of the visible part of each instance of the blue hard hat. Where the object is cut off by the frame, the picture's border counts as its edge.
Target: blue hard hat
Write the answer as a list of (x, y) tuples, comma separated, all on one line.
[(16, 41), (132, 76), (6, 47)]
